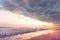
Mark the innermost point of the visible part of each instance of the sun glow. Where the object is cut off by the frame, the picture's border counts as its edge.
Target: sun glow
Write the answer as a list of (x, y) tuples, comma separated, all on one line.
[(29, 21), (21, 20)]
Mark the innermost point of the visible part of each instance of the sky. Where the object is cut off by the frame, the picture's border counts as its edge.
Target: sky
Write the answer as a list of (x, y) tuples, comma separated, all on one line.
[(44, 10), (8, 19)]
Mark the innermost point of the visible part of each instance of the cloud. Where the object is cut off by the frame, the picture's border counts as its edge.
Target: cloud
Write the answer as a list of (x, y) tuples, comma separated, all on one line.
[(46, 10)]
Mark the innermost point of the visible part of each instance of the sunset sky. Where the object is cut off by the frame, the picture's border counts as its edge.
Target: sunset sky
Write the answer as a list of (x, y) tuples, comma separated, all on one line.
[(18, 13), (10, 19)]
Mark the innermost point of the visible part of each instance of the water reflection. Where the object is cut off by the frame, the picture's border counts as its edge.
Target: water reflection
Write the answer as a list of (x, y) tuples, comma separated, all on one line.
[(35, 34), (38, 35)]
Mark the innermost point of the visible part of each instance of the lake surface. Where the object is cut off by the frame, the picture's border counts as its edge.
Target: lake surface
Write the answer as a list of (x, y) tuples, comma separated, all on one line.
[(38, 35)]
